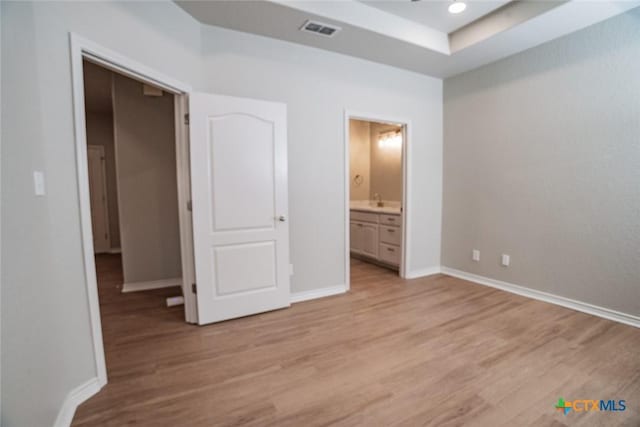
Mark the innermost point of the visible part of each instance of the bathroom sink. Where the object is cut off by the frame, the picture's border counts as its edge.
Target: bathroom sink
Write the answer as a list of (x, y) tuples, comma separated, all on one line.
[(375, 206)]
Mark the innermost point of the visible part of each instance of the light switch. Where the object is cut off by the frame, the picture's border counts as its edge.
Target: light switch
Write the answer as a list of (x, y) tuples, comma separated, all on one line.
[(506, 259), (38, 183), (475, 255)]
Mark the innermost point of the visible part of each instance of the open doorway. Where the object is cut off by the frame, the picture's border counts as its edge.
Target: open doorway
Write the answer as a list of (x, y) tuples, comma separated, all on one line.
[(114, 85), (376, 215), (132, 177), (133, 187), (234, 237)]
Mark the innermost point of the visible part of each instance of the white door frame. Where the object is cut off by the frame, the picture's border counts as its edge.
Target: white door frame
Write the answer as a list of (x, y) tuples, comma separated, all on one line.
[(105, 205), (80, 49), (406, 179)]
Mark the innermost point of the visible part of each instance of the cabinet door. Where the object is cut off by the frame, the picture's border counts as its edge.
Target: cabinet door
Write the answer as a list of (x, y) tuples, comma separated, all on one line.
[(370, 240), (390, 235), (390, 254), (355, 238)]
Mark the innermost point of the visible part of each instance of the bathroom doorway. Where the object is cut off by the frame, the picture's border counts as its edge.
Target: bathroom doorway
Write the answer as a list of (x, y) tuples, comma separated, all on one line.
[(377, 196)]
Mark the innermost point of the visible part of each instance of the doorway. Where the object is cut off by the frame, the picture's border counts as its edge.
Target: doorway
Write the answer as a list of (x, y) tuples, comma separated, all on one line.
[(85, 53), (131, 148), (231, 158), (376, 169)]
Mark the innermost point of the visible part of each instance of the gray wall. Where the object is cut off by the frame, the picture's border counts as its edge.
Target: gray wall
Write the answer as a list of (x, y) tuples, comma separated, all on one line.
[(359, 158), (386, 166), (542, 162), (147, 184), (381, 168), (46, 337), (100, 132)]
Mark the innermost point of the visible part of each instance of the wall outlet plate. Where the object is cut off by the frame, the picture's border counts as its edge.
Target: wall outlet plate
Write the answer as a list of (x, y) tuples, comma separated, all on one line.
[(38, 183), (506, 259), (475, 255)]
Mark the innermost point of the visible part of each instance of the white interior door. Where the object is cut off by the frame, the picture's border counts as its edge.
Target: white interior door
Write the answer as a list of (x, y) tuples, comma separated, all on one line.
[(98, 192), (239, 191)]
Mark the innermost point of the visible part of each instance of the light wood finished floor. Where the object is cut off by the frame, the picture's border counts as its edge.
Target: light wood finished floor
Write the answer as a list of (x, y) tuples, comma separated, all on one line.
[(434, 351)]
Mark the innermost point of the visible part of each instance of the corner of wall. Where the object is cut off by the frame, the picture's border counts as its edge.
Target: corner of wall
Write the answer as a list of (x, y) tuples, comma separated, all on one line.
[(75, 398)]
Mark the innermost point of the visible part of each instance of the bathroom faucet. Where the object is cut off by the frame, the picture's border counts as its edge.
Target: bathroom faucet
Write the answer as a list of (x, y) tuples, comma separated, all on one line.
[(378, 197)]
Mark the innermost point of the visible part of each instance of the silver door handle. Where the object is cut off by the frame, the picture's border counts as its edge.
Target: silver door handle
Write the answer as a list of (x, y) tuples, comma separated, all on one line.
[(281, 218)]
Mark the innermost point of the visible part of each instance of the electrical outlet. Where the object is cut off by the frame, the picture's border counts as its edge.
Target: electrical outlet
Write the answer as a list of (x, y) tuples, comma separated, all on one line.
[(38, 183), (475, 255), (506, 259)]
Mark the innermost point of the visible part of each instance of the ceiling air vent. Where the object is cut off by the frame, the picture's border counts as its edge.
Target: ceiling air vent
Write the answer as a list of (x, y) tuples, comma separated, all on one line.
[(320, 28)]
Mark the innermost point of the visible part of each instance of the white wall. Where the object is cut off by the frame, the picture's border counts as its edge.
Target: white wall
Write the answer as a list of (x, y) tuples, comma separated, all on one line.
[(46, 337), (317, 86), (147, 183)]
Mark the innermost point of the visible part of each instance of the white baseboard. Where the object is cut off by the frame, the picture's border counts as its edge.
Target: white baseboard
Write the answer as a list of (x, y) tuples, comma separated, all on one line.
[(114, 251), (74, 399), (422, 272), (152, 284), (617, 316), (317, 293)]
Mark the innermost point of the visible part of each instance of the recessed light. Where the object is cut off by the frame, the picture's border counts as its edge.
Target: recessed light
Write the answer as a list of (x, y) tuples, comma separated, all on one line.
[(457, 7)]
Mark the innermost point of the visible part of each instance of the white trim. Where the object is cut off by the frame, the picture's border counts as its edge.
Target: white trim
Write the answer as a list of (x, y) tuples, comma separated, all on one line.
[(79, 49), (151, 284), (76, 397), (406, 183), (123, 65), (317, 293), (185, 220), (77, 79), (423, 272), (173, 301), (616, 316), (105, 194), (114, 251), (347, 202)]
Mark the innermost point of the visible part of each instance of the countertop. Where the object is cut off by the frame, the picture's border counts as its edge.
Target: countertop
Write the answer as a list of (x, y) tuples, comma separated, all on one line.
[(392, 208)]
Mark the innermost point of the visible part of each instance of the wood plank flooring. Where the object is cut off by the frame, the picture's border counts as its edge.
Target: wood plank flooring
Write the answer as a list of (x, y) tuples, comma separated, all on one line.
[(436, 351)]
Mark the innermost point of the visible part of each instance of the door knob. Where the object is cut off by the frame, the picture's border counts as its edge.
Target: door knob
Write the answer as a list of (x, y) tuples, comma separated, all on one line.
[(281, 218)]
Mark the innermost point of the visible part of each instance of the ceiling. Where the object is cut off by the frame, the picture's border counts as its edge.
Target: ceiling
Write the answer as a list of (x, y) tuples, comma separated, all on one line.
[(434, 13), (417, 36)]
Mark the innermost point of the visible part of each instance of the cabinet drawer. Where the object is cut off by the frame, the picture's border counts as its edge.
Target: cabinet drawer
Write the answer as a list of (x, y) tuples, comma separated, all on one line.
[(390, 235), (364, 216), (391, 220), (389, 254)]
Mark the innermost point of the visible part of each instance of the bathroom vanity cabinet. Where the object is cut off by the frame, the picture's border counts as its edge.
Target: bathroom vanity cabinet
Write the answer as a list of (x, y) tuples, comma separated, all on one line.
[(376, 236)]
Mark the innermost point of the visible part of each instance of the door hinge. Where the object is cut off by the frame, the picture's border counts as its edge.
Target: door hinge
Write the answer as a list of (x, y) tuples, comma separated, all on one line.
[(189, 206), (186, 119), (194, 289)]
